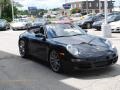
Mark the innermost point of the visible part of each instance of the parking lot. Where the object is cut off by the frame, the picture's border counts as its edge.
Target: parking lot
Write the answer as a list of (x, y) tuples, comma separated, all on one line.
[(17, 73)]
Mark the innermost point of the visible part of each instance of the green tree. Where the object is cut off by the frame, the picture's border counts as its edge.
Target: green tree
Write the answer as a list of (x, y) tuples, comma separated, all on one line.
[(6, 9), (75, 10)]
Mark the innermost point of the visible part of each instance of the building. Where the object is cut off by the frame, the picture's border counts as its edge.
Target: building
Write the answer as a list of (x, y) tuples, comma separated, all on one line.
[(92, 6)]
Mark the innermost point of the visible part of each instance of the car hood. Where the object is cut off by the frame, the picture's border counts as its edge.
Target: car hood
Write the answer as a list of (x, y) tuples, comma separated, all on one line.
[(99, 23), (17, 24), (116, 23), (88, 45), (81, 39)]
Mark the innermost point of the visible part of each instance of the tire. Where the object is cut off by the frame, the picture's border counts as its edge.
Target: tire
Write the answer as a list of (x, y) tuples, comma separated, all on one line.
[(6, 28), (55, 62), (88, 25), (23, 49)]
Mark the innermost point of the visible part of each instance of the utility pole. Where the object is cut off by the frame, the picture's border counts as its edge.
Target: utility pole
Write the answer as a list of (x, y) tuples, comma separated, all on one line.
[(12, 4), (87, 6), (99, 6), (106, 31)]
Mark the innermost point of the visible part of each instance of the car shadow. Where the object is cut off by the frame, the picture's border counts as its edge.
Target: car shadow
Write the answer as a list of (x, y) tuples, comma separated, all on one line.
[(107, 72), (110, 71), (87, 74)]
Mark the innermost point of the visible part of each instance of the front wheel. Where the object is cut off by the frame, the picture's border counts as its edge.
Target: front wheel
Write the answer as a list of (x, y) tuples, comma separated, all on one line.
[(23, 49), (55, 62), (88, 25)]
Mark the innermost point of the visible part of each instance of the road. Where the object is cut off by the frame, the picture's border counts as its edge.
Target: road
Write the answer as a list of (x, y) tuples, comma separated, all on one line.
[(17, 73)]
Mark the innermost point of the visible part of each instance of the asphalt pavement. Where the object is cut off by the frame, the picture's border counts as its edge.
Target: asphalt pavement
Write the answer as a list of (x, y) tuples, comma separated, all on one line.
[(17, 73)]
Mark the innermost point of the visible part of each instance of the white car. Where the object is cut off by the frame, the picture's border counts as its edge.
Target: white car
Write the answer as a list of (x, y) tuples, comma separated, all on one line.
[(20, 24), (115, 26)]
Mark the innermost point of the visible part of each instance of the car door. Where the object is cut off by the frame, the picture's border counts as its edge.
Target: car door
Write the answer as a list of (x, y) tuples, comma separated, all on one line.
[(39, 47)]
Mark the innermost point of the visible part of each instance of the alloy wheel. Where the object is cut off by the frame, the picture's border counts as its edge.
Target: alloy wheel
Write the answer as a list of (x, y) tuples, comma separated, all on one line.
[(88, 25), (22, 48), (55, 61)]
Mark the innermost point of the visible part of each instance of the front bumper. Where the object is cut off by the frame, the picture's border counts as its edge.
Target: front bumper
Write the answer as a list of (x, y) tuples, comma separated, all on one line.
[(117, 29), (2, 28), (91, 63), (19, 28)]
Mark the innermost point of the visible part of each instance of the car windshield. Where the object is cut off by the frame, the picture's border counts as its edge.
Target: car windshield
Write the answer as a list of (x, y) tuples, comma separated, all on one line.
[(20, 20), (63, 30), (111, 18)]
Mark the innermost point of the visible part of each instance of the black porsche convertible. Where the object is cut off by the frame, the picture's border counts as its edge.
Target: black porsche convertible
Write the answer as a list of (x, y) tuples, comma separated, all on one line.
[(65, 45)]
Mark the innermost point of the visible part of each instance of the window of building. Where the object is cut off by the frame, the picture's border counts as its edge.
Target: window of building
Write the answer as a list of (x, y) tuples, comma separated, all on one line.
[(100, 4), (90, 11), (75, 6), (79, 5), (96, 4), (90, 4)]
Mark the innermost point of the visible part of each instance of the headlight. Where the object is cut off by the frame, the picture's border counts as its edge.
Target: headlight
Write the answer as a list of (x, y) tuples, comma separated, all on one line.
[(73, 50), (111, 46)]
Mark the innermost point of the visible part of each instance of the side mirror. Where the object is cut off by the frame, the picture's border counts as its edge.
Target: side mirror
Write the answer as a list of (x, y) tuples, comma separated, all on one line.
[(40, 36)]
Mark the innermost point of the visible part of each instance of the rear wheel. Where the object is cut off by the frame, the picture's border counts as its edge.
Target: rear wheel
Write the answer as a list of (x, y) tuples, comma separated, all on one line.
[(23, 49), (6, 28), (55, 62), (88, 25)]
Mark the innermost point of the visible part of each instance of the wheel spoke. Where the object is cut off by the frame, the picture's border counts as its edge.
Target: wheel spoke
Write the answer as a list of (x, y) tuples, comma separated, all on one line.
[(22, 48), (55, 61)]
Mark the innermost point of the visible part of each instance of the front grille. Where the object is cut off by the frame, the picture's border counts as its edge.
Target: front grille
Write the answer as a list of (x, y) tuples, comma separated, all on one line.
[(85, 65), (106, 62), (97, 63), (102, 63)]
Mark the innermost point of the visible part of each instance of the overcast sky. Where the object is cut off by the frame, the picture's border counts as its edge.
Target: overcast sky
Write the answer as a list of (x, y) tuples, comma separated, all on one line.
[(47, 3)]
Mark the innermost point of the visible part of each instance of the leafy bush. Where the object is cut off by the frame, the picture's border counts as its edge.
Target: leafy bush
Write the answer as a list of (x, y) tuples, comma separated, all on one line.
[(75, 10)]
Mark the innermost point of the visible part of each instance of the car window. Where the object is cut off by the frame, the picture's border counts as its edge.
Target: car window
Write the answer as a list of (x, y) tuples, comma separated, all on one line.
[(41, 30), (63, 30)]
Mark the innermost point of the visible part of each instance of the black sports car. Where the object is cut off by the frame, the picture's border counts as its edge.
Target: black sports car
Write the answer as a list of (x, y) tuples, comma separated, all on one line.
[(66, 46), (87, 22)]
